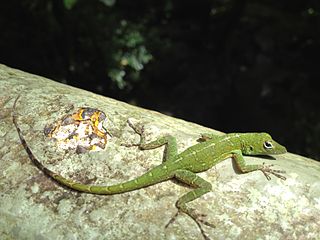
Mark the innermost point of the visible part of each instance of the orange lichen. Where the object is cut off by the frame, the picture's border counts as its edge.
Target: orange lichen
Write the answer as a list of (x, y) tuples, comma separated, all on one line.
[(82, 130)]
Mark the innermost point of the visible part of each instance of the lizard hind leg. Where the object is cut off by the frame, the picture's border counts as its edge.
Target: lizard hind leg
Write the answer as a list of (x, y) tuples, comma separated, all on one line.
[(168, 141), (201, 187)]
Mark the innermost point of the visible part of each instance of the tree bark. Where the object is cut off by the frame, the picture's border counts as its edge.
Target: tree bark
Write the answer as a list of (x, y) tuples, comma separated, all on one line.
[(33, 206)]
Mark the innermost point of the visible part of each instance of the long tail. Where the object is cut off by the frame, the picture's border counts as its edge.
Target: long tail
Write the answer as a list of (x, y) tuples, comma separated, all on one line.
[(137, 183)]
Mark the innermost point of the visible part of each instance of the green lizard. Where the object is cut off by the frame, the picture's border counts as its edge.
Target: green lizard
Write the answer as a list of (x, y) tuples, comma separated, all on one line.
[(182, 166)]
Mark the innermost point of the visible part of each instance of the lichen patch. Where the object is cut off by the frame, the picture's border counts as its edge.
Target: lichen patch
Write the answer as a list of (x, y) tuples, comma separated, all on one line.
[(81, 131)]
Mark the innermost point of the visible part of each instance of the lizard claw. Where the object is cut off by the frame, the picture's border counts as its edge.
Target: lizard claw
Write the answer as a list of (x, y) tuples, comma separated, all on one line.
[(130, 144), (203, 138), (198, 218), (172, 220), (266, 170), (138, 130)]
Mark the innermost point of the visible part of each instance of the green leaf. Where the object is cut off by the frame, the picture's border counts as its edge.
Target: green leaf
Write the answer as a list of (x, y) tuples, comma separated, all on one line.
[(116, 76), (108, 3), (68, 4)]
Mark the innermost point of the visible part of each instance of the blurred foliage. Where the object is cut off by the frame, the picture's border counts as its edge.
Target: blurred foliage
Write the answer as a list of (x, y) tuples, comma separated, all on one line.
[(68, 4), (232, 65)]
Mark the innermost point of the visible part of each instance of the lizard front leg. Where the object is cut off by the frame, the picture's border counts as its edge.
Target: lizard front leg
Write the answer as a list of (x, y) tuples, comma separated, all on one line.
[(202, 187), (208, 136), (245, 168)]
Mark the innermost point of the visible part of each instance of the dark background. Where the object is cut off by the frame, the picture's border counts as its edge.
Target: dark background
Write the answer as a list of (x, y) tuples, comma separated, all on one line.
[(232, 65)]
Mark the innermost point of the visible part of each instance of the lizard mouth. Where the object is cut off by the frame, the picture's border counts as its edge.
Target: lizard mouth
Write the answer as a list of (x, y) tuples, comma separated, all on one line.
[(280, 150)]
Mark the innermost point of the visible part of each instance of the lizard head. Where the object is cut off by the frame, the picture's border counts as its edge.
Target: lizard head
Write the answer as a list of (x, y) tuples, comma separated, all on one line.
[(260, 144)]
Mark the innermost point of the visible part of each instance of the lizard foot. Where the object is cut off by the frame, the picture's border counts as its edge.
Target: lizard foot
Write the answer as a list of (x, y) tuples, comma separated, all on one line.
[(266, 170), (198, 219), (137, 130)]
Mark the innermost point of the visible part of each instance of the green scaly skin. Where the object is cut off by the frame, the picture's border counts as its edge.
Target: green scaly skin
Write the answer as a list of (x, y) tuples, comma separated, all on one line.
[(182, 166)]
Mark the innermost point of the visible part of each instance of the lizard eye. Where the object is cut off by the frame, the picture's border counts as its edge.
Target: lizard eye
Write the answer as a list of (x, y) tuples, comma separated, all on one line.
[(267, 145)]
